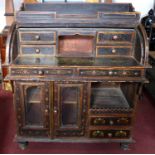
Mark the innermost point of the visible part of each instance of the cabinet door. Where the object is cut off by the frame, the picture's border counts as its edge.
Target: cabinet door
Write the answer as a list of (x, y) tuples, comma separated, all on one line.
[(70, 105), (32, 106)]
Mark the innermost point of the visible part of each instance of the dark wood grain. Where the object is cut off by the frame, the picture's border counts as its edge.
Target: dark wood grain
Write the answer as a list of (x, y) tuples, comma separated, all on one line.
[(77, 71)]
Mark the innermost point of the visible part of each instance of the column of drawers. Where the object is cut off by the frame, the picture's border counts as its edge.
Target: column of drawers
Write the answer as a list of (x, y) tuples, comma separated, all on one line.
[(115, 43), (37, 42)]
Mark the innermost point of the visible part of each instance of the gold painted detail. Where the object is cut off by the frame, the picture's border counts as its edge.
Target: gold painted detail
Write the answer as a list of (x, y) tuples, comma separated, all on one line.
[(7, 86)]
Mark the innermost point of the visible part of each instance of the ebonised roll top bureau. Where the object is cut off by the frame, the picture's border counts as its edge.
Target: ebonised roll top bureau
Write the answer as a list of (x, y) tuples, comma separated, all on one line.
[(76, 71)]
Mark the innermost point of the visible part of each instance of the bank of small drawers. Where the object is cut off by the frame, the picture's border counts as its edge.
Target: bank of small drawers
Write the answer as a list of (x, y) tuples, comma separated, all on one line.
[(114, 134), (37, 42), (115, 42), (110, 121)]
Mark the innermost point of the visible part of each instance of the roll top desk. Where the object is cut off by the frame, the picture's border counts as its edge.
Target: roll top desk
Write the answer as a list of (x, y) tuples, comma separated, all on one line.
[(77, 70)]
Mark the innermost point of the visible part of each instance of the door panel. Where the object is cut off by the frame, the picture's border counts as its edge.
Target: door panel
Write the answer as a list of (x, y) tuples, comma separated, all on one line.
[(33, 106), (70, 107), (32, 100)]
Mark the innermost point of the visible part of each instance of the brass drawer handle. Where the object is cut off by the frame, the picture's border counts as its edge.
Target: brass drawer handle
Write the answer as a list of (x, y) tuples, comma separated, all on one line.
[(99, 121), (37, 37), (37, 50), (123, 121), (121, 134), (98, 133)]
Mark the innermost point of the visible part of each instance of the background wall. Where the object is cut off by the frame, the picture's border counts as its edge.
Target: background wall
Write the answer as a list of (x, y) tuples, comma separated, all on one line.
[(142, 6)]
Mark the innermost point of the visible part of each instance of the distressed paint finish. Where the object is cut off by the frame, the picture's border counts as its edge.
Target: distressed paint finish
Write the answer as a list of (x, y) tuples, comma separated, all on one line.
[(89, 63)]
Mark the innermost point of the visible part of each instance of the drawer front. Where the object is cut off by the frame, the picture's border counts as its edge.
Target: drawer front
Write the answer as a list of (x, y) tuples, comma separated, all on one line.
[(110, 73), (115, 37), (114, 134), (111, 121), (37, 37), (40, 72), (39, 49), (106, 50)]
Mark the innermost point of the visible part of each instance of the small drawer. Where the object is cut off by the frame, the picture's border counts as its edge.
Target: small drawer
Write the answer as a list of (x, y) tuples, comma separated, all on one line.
[(39, 49), (110, 121), (37, 36), (110, 73), (110, 134), (40, 72), (59, 72), (115, 36), (111, 51)]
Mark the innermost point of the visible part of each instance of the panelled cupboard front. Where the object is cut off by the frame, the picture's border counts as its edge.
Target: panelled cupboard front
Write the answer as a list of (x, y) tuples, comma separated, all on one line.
[(77, 73), (65, 109)]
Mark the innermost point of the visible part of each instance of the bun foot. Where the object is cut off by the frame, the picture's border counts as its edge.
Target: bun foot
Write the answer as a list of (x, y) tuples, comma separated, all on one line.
[(125, 146), (23, 145)]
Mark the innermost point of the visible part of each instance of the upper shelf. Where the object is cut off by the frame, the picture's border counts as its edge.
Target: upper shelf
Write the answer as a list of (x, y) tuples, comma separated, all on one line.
[(78, 15)]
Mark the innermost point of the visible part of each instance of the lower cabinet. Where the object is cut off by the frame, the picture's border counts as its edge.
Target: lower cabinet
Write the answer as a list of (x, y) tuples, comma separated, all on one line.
[(83, 110)]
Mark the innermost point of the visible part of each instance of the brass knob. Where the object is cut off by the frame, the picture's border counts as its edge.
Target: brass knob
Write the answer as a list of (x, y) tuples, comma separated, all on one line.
[(55, 111), (113, 51), (94, 73), (40, 72), (109, 135), (124, 73), (111, 122), (95, 121), (115, 37), (136, 73), (37, 37), (110, 72), (46, 111), (37, 51)]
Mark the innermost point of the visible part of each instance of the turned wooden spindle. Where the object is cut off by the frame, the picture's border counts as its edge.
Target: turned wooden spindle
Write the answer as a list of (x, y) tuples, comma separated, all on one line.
[(9, 12)]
